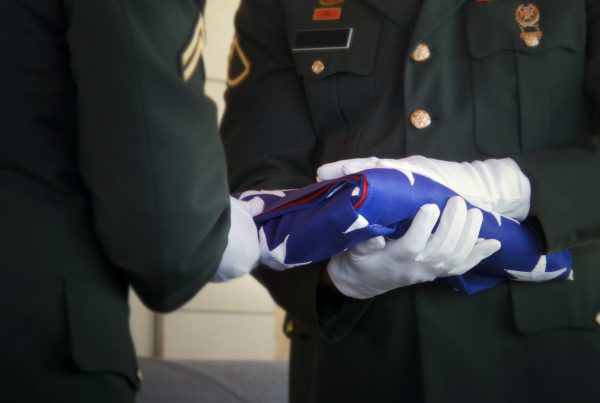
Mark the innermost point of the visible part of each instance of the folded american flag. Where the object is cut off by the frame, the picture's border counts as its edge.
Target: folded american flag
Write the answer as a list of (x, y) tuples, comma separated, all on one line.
[(311, 224)]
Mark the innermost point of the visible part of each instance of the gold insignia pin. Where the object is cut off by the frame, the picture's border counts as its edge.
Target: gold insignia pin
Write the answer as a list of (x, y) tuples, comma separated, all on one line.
[(528, 17)]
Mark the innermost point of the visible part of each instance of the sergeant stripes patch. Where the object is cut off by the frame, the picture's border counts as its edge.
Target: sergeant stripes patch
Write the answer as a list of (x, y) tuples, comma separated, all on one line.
[(192, 53)]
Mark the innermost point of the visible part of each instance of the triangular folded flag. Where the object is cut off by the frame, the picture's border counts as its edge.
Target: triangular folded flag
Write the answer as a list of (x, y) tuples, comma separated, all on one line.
[(311, 224)]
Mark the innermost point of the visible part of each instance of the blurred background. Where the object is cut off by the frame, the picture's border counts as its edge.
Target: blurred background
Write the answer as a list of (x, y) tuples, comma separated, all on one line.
[(233, 321)]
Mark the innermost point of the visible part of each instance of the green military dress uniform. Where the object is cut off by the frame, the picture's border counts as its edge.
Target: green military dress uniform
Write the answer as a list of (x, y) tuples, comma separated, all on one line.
[(456, 80), (111, 174)]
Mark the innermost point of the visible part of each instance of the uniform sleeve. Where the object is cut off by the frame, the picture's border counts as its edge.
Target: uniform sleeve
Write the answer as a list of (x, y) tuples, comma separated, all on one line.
[(266, 128), (270, 143), (566, 182), (149, 149)]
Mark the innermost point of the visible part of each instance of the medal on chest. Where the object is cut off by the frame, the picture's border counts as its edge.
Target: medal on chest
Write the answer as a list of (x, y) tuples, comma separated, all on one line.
[(528, 19)]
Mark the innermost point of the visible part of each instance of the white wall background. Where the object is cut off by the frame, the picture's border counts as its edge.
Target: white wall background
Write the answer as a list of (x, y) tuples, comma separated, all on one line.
[(235, 320)]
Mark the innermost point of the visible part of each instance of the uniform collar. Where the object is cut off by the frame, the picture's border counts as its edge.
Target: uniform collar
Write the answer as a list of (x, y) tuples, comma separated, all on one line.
[(402, 12), (431, 15), (421, 17)]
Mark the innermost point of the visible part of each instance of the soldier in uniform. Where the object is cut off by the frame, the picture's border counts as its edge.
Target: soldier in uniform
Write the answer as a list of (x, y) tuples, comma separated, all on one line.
[(112, 174), (318, 81)]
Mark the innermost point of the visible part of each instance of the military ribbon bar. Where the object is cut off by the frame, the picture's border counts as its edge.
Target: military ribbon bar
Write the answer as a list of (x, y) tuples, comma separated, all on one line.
[(327, 14)]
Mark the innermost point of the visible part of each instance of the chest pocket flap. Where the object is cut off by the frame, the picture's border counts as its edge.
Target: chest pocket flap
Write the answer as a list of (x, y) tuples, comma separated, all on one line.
[(493, 27), (325, 58)]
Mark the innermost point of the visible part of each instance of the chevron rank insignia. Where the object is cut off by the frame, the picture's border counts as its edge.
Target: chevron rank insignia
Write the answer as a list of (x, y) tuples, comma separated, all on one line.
[(192, 54), (239, 65)]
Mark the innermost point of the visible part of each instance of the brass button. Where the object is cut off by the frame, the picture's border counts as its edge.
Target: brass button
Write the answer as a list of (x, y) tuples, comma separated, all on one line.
[(421, 53), (289, 327), (420, 119), (598, 318), (318, 66), (140, 375)]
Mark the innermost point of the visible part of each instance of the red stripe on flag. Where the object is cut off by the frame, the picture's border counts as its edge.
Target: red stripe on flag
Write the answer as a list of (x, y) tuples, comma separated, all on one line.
[(311, 196), (365, 189)]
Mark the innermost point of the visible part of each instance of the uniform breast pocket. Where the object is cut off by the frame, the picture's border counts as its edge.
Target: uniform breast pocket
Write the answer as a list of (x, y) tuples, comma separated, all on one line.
[(338, 79), (528, 64)]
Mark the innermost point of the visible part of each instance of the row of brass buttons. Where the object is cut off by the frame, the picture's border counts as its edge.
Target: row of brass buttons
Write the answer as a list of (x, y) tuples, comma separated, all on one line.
[(420, 118)]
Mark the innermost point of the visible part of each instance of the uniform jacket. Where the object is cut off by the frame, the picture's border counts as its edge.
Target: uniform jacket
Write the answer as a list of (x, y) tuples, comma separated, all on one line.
[(111, 173), (488, 95)]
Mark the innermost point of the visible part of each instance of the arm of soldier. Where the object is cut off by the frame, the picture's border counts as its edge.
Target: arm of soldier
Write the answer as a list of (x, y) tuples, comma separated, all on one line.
[(270, 143), (149, 148), (566, 182)]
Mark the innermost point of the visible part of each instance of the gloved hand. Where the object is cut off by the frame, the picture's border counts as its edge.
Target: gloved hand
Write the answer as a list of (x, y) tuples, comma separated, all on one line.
[(256, 199), (375, 266), (242, 252), (495, 185)]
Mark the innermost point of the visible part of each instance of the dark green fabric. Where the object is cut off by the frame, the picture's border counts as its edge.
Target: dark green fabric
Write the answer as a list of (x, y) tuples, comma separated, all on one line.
[(111, 173), (152, 162), (489, 96)]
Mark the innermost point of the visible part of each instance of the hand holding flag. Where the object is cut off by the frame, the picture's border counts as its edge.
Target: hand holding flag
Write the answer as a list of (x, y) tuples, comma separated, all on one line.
[(321, 220)]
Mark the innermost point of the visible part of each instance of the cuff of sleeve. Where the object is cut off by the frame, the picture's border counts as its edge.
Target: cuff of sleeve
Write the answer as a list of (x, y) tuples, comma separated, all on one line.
[(565, 194), (338, 314), (298, 292)]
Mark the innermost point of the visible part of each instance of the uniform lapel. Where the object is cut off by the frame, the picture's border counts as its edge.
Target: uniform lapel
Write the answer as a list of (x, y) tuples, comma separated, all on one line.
[(431, 15), (402, 12)]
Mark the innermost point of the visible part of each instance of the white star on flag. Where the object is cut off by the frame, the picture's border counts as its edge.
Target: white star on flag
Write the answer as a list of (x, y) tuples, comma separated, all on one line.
[(360, 223), (498, 218), (538, 273), (275, 258)]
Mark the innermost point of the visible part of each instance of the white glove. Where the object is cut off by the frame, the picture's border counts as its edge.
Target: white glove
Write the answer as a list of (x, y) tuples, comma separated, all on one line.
[(375, 266), (242, 252), (258, 205), (495, 185)]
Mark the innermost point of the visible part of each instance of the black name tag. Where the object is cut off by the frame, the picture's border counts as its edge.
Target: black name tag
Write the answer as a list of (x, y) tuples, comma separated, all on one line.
[(323, 39)]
